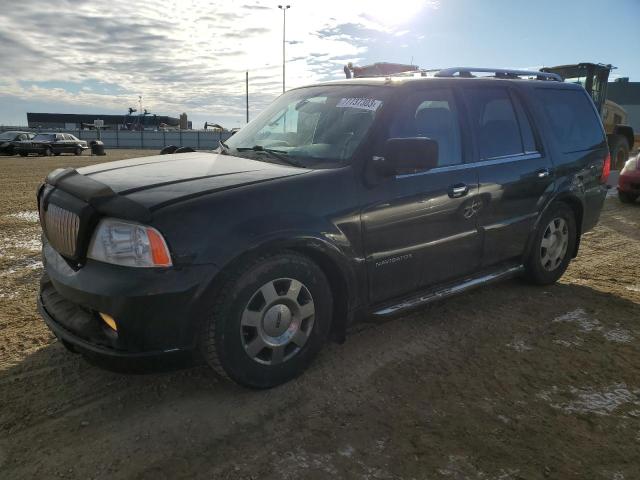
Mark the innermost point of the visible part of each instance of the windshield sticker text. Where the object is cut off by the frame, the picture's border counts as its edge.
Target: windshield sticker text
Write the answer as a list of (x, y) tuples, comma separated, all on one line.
[(362, 103)]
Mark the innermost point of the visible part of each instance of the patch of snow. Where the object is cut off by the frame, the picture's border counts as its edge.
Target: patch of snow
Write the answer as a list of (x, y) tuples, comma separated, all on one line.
[(619, 335), (30, 242), (26, 215), (579, 316), (346, 451), (504, 419), (589, 400), (573, 342), (32, 264), (634, 288), (519, 345)]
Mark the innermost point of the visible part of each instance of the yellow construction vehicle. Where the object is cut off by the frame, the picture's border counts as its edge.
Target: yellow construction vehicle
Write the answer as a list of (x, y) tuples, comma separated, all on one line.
[(594, 77)]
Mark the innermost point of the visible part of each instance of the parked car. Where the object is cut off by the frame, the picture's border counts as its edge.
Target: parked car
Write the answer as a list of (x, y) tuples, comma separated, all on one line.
[(52, 144), (9, 140), (361, 197), (629, 180)]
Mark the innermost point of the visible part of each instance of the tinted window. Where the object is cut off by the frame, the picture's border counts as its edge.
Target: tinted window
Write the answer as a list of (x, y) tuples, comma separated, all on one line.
[(573, 120), (528, 139), (44, 137), (494, 119), (431, 114)]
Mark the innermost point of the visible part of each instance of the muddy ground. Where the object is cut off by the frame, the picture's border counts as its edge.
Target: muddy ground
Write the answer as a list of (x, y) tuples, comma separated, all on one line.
[(506, 382)]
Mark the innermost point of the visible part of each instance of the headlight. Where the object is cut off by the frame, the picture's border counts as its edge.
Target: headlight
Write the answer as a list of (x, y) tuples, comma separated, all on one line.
[(128, 244)]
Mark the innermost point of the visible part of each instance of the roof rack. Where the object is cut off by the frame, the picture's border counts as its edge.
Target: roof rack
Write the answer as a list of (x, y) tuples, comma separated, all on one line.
[(498, 73), (400, 70)]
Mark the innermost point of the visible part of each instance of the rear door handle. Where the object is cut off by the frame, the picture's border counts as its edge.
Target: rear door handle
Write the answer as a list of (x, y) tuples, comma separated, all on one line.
[(544, 173), (458, 190)]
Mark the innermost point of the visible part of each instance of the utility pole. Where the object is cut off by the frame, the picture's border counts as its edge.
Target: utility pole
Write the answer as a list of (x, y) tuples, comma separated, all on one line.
[(284, 9), (246, 89)]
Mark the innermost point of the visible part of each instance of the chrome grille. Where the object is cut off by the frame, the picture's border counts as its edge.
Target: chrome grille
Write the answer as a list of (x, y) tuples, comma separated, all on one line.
[(61, 228)]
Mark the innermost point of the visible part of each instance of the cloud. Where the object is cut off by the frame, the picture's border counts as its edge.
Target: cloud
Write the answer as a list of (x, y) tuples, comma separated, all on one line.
[(180, 56)]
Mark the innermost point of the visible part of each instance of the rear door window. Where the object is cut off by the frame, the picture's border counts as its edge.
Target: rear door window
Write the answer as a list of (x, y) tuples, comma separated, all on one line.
[(500, 130), (575, 124), (432, 114)]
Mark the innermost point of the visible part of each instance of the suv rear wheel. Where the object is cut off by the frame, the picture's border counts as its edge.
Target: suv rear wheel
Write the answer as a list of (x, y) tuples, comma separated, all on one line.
[(269, 320), (554, 241)]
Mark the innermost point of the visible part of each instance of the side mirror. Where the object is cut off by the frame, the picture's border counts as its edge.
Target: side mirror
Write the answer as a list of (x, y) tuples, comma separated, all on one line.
[(408, 155)]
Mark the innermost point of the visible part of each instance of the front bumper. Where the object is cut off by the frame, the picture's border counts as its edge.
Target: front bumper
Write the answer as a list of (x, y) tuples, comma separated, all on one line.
[(157, 311)]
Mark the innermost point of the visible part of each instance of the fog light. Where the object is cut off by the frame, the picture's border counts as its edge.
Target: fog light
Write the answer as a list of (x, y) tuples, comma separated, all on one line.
[(108, 319)]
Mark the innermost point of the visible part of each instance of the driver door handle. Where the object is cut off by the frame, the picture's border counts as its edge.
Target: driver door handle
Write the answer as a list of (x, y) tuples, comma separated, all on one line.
[(544, 173), (458, 190)]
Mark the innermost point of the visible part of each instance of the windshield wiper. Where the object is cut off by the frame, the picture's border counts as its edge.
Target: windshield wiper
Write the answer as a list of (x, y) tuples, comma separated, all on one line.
[(281, 155)]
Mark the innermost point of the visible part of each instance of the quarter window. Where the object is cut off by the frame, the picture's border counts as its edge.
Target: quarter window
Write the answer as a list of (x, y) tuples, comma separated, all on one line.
[(574, 121)]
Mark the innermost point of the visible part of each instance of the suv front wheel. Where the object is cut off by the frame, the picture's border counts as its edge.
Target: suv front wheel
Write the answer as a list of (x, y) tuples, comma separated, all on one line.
[(269, 320), (553, 244)]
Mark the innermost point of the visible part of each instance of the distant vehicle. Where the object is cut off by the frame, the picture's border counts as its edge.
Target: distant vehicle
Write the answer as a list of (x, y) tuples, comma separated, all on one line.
[(629, 181), (9, 140), (52, 144), (339, 201)]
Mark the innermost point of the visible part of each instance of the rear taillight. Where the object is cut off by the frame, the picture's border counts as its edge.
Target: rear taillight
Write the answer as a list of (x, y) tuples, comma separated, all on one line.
[(606, 169)]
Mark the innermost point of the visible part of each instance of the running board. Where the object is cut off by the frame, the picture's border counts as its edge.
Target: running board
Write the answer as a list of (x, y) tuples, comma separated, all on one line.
[(468, 284)]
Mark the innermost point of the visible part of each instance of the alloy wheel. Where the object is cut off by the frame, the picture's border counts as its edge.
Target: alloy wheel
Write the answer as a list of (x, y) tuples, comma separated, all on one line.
[(553, 246), (277, 321)]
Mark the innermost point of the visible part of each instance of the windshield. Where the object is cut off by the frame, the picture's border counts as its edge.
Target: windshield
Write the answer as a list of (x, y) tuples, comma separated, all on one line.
[(8, 135), (313, 126), (43, 137)]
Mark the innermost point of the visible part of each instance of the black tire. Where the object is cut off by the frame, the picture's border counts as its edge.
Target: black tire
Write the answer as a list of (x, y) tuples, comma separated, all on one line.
[(78, 152), (224, 338), (626, 197), (184, 150), (23, 154), (535, 270), (169, 149), (619, 149), (69, 346)]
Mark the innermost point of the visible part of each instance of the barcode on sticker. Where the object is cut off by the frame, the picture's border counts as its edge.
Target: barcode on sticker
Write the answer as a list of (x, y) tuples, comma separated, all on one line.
[(363, 103)]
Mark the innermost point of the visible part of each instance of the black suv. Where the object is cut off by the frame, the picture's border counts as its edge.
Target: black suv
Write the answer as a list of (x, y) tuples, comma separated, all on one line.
[(362, 197)]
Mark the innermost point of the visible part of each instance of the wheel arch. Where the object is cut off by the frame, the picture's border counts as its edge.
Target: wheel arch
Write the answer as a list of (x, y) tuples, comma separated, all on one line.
[(575, 204), (331, 260)]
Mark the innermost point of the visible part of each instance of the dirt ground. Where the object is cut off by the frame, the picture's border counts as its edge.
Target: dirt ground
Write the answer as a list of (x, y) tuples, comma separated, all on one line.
[(506, 382)]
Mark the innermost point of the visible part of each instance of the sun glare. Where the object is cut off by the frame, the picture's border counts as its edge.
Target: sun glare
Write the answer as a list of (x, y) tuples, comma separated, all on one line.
[(393, 13)]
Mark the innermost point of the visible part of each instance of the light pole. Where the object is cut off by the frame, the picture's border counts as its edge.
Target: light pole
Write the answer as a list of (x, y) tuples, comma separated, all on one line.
[(284, 26)]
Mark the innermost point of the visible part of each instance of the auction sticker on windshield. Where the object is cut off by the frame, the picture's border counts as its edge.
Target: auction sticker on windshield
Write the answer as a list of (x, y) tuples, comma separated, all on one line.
[(363, 103)]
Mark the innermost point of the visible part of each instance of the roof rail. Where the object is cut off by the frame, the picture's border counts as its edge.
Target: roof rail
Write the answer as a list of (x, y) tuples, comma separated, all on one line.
[(498, 73)]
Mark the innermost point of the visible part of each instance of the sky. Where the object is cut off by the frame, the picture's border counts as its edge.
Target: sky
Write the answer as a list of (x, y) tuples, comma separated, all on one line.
[(188, 56)]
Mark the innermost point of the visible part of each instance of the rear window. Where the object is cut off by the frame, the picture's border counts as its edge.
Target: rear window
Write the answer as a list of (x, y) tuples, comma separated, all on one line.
[(502, 127), (574, 121)]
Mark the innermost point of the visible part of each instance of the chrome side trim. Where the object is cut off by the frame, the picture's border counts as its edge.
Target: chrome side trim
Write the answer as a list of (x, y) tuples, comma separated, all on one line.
[(415, 248), (449, 291), (483, 163)]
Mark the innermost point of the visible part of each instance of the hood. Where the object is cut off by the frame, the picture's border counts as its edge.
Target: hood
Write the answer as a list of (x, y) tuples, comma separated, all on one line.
[(157, 181)]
